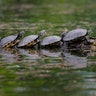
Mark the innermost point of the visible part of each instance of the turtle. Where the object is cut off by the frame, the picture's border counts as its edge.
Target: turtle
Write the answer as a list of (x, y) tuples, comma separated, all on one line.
[(51, 41), (11, 41), (31, 40), (75, 37)]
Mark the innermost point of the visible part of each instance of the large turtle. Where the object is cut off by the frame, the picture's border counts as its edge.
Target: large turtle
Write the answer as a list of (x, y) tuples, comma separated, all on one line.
[(51, 41), (30, 41), (76, 36), (11, 41)]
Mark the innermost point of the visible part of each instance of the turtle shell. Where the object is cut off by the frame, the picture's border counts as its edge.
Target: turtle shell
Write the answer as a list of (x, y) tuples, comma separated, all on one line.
[(7, 41), (28, 41), (11, 41), (75, 34), (50, 40)]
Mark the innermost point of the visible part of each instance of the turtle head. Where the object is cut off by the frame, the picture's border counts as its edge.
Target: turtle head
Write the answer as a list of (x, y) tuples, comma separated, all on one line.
[(42, 32), (63, 34), (20, 34), (89, 31)]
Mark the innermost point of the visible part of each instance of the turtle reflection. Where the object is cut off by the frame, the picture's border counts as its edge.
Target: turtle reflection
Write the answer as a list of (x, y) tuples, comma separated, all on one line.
[(30, 55), (75, 58), (9, 55), (51, 52)]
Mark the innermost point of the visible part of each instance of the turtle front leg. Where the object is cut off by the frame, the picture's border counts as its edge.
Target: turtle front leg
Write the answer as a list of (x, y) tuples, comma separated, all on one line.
[(87, 41)]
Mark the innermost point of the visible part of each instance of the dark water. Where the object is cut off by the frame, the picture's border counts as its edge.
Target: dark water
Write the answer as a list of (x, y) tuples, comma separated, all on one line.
[(32, 72)]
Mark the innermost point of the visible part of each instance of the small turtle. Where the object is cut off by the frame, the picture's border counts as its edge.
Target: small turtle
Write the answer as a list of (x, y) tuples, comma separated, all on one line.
[(30, 41), (11, 41), (51, 41), (76, 36)]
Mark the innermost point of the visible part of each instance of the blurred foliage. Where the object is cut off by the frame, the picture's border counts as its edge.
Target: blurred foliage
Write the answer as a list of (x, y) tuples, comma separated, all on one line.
[(75, 2)]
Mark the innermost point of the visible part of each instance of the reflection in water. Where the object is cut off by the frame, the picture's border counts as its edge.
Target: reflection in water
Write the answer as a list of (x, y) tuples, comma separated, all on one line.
[(9, 55), (29, 55), (51, 52), (91, 58), (51, 58), (75, 59)]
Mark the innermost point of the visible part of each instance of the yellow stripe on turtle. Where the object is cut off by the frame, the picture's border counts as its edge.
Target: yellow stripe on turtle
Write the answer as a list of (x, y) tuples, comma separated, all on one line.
[(7, 46), (31, 44), (12, 44)]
